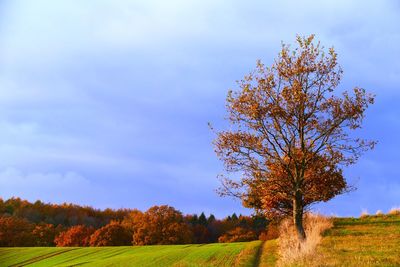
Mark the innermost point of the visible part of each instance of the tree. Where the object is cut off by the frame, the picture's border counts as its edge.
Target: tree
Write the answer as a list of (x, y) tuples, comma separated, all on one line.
[(201, 234), (211, 219), (15, 232), (239, 234), (161, 225), (133, 219), (76, 236), (202, 219), (64, 214), (44, 234), (290, 134), (113, 234)]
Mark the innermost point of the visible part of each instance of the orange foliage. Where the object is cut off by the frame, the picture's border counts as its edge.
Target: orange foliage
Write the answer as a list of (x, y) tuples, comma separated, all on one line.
[(290, 133), (274, 193), (26, 224), (64, 214), (161, 225), (15, 232), (113, 234), (76, 236), (239, 234), (272, 232), (44, 234)]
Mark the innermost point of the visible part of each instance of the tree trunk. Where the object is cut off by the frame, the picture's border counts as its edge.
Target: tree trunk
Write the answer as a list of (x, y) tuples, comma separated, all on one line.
[(298, 215)]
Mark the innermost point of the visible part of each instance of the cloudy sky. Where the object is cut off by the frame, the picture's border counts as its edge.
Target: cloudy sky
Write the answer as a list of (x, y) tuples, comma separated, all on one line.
[(106, 103)]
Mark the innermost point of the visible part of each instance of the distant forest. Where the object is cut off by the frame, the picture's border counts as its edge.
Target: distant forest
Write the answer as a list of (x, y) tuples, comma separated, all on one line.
[(23, 223)]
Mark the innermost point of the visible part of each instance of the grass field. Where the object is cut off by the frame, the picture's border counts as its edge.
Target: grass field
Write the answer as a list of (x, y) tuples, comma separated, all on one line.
[(233, 254), (368, 241)]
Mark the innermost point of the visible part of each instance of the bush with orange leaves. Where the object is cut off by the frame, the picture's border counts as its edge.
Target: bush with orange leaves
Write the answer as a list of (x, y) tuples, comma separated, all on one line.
[(161, 225), (239, 234), (76, 236), (113, 234)]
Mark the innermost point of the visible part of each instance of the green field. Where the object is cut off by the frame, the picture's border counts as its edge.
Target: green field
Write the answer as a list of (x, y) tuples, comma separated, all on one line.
[(230, 254), (369, 241)]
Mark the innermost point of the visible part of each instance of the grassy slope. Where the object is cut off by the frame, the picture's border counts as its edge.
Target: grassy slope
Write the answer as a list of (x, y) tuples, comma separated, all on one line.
[(233, 254), (368, 241)]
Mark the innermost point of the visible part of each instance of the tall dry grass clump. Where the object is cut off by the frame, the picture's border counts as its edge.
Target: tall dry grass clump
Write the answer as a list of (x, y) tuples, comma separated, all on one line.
[(379, 213), (291, 249), (394, 211), (364, 213)]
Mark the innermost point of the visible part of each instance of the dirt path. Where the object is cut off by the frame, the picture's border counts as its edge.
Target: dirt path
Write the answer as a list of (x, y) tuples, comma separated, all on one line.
[(259, 254), (267, 255)]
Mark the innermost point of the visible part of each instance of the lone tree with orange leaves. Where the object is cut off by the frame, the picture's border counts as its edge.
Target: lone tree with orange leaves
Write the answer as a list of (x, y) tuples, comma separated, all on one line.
[(291, 133)]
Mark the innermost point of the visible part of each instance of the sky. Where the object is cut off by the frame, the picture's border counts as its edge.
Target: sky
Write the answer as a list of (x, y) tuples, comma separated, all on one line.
[(106, 103)]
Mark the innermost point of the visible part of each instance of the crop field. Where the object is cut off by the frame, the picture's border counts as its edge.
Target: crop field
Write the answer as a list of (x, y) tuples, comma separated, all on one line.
[(228, 254)]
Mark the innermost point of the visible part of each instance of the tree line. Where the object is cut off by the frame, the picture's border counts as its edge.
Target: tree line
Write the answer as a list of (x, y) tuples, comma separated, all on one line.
[(23, 223)]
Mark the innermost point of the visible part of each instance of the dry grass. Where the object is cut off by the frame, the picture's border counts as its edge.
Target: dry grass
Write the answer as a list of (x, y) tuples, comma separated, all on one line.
[(379, 213), (364, 213), (394, 211), (269, 253), (291, 250), (249, 255), (369, 241)]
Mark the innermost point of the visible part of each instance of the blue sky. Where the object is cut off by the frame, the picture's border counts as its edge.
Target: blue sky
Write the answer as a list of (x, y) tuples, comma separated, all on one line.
[(106, 103)]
